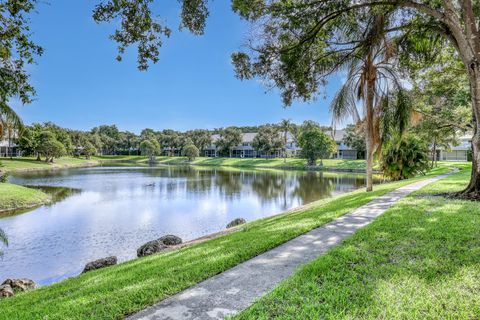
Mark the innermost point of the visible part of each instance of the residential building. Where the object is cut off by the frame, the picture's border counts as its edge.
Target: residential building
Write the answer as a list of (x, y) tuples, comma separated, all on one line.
[(343, 151), (458, 152), (246, 149), (8, 149)]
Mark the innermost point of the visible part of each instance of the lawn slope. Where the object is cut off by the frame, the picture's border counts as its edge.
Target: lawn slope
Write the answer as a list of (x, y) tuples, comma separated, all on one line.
[(420, 260)]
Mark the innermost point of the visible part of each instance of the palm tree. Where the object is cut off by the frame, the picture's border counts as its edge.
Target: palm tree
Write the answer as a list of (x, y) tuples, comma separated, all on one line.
[(3, 239), (9, 122), (285, 125), (372, 80)]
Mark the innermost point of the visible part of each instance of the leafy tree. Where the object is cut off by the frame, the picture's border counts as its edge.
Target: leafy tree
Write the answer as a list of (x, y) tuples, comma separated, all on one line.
[(130, 142), (150, 148), (170, 140), (139, 25), (442, 100), (202, 139), (28, 141), (95, 140), (355, 137), (50, 147), (190, 151), (88, 149), (404, 157), (229, 138), (109, 136), (148, 134), (62, 135), (315, 143), (17, 51), (268, 139), (286, 126)]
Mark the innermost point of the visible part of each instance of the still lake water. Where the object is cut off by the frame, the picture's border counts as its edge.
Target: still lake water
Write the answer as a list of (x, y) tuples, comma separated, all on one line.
[(117, 209)]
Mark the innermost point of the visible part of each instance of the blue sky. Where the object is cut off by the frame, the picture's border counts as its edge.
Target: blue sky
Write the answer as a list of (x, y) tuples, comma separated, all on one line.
[(80, 84)]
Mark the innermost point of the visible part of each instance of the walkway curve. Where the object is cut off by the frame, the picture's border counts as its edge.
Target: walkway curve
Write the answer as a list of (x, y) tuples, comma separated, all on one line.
[(237, 288)]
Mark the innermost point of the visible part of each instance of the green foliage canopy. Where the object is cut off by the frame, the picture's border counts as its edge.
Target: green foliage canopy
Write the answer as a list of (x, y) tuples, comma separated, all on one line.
[(315, 143)]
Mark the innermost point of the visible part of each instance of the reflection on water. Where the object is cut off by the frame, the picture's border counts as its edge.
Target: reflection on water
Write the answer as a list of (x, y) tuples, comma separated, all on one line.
[(120, 208)]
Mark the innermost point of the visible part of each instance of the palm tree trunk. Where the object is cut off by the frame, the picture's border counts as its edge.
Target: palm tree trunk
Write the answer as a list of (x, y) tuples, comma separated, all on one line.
[(369, 134)]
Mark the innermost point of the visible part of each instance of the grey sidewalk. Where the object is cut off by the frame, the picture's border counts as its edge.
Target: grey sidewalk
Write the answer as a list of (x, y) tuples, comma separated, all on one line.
[(236, 289)]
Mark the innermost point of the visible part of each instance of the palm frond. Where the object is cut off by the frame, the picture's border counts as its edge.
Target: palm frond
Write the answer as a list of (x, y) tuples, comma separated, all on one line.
[(8, 117)]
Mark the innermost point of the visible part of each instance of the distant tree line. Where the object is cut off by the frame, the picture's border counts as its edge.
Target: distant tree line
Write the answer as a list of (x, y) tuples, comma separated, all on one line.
[(48, 141)]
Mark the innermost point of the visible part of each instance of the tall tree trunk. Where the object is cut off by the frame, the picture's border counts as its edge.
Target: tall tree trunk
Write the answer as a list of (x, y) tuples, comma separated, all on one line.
[(434, 152), (285, 147), (473, 188), (369, 132)]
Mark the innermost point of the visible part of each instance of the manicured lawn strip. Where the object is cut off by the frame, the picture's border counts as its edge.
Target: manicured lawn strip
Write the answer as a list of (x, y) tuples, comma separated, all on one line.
[(15, 197), (420, 260), (276, 163), (292, 163), (114, 292), (30, 164)]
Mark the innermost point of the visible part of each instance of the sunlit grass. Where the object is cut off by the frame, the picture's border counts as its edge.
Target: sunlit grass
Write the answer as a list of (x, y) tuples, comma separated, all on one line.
[(30, 163), (114, 292), (15, 197), (420, 260)]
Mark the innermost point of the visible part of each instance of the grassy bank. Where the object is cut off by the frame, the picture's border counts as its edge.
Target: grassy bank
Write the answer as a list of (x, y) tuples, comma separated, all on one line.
[(276, 163), (31, 164), (17, 197), (117, 291), (420, 260)]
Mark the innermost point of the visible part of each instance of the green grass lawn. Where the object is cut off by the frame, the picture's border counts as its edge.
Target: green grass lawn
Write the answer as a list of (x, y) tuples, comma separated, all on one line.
[(114, 292), (15, 197), (275, 163), (28, 164), (291, 163), (420, 260)]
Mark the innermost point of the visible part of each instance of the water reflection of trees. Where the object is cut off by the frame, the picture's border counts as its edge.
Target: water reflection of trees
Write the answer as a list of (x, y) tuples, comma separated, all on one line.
[(285, 188), (313, 186), (230, 183)]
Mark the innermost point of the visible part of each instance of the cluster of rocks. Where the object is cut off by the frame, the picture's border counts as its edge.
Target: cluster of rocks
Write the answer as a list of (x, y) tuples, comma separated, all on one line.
[(11, 286), (236, 222), (100, 263), (158, 245)]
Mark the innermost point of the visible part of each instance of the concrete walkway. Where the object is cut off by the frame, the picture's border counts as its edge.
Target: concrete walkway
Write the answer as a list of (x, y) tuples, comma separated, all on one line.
[(236, 289)]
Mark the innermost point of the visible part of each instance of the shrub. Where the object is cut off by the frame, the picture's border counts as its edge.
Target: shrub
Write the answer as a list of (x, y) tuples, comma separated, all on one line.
[(404, 157)]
